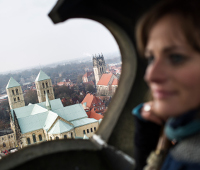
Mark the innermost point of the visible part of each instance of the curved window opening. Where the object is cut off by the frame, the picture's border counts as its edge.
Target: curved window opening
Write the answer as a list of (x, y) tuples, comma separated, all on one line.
[(71, 135), (4, 145), (28, 141), (65, 136), (17, 92), (40, 137), (34, 138), (13, 92), (94, 55), (57, 138)]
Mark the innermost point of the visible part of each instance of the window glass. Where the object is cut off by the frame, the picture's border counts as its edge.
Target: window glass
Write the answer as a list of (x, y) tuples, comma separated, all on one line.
[(40, 137), (28, 141), (34, 138)]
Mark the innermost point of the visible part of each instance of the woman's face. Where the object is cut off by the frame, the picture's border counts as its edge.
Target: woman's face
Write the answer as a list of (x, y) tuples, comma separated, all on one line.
[(173, 73)]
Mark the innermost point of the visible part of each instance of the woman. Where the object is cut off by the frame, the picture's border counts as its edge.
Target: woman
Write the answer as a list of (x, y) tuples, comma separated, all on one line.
[(169, 38)]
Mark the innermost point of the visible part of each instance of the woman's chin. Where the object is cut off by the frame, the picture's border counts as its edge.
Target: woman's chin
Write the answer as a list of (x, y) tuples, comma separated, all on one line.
[(166, 110)]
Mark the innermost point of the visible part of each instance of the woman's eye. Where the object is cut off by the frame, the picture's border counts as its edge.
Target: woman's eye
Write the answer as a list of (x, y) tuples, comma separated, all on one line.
[(150, 59), (176, 58)]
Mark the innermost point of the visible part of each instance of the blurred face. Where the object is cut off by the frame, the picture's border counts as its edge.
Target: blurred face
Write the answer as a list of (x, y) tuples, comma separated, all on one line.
[(173, 73)]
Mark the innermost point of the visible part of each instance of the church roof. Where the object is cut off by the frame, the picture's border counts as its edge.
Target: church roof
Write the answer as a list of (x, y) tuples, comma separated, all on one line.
[(104, 80), (72, 112), (82, 122), (87, 74), (42, 76), (60, 127), (12, 83), (115, 82), (37, 116), (32, 122)]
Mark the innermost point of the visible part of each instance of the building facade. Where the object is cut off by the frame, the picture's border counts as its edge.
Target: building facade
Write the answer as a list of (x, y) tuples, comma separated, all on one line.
[(48, 119), (99, 67)]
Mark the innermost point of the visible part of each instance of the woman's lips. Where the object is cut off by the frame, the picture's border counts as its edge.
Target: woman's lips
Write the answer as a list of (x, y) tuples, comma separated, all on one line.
[(162, 94)]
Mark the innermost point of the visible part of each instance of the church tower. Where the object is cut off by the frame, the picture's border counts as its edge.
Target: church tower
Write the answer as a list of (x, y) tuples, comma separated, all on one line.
[(44, 85), (15, 94), (99, 67)]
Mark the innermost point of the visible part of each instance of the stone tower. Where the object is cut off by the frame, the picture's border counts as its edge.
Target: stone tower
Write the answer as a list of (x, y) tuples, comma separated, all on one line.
[(99, 67), (15, 94), (44, 85)]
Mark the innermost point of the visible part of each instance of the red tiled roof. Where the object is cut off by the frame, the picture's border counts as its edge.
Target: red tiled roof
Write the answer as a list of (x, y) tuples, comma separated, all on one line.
[(60, 83), (93, 114), (87, 74), (90, 99), (115, 82), (105, 78)]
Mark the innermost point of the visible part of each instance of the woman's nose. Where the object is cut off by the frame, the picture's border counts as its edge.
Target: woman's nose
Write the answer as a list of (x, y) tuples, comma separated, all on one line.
[(156, 72)]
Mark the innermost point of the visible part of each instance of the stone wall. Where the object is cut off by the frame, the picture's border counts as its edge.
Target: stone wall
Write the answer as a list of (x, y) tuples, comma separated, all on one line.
[(70, 134), (89, 129), (30, 136), (15, 97), (7, 142), (44, 87)]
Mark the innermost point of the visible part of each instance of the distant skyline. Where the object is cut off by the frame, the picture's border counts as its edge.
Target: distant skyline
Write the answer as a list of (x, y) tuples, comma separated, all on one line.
[(30, 39)]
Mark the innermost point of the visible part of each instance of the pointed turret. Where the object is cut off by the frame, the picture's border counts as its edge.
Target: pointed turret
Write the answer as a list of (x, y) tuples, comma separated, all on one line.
[(48, 105), (42, 76), (15, 94), (44, 85), (12, 83)]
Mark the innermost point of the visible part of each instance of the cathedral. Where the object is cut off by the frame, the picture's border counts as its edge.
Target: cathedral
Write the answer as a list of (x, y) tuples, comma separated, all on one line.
[(48, 119), (106, 83)]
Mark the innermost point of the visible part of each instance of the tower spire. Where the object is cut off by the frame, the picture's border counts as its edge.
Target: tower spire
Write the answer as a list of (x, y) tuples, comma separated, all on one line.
[(48, 105)]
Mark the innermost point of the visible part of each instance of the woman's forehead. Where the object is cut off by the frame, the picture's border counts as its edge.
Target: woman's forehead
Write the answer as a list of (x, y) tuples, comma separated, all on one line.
[(166, 32)]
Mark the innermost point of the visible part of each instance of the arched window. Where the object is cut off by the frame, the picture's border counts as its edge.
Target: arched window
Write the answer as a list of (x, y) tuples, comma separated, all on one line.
[(48, 91), (18, 98), (14, 99), (44, 91), (43, 85), (46, 84), (50, 138), (17, 91), (95, 129), (4, 145), (28, 141), (40, 137), (71, 135), (65, 136), (57, 138), (34, 138), (13, 92)]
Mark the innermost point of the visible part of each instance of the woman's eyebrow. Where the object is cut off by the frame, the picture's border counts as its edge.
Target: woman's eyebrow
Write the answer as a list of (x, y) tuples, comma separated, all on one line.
[(172, 48), (168, 49)]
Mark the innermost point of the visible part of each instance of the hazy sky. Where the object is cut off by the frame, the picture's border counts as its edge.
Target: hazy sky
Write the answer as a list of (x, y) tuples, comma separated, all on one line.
[(29, 38)]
